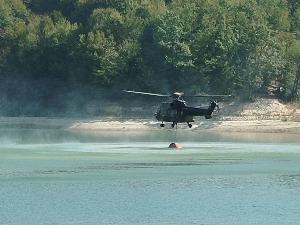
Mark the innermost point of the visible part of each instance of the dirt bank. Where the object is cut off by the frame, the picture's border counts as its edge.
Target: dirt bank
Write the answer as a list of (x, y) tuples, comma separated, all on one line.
[(265, 126), (264, 115), (262, 126)]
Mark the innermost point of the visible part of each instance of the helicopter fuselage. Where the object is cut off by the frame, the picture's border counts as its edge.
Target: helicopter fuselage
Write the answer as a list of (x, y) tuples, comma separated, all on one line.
[(178, 112)]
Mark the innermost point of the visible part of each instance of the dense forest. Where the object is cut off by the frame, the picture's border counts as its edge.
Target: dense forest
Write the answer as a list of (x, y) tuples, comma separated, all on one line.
[(59, 56)]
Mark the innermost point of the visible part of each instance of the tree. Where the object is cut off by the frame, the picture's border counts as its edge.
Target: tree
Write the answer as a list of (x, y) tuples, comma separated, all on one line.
[(56, 44), (277, 14), (170, 37), (12, 11), (214, 44), (294, 66), (101, 53), (109, 21), (41, 7), (14, 18)]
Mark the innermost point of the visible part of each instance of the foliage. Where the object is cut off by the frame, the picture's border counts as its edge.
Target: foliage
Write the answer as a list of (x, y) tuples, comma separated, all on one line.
[(196, 46)]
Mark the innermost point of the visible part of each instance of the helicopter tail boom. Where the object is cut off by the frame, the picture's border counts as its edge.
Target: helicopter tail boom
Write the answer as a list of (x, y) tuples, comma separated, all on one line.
[(200, 111)]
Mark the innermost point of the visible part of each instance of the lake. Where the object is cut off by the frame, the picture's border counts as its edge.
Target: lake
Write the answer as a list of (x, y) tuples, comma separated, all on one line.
[(68, 177)]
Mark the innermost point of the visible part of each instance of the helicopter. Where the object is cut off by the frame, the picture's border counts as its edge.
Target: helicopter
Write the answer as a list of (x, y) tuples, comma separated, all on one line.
[(177, 110)]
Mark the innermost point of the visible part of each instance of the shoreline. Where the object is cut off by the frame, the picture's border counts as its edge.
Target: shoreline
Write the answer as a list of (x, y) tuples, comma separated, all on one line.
[(112, 124)]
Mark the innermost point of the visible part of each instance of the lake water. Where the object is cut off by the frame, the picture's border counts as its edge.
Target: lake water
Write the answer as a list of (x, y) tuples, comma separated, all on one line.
[(63, 177)]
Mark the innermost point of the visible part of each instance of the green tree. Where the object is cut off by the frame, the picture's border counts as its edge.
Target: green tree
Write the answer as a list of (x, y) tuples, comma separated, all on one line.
[(214, 42), (41, 7), (294, 9), (109, 21), (294, 69), (20, 38), (277, 14), (101, 53), (170, 37), (14, 31), (12, 11), (57, 41)]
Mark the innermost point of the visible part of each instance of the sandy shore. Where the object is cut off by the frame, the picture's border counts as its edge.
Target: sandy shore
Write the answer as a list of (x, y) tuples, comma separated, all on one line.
[(261, 116), (264, 126), (110, 124)]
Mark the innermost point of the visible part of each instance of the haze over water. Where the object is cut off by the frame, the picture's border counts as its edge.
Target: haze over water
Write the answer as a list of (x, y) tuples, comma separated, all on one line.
[(60, 177)]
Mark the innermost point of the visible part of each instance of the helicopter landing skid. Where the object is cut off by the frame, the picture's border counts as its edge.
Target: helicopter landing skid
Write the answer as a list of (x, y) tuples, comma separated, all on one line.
[(175, 124)]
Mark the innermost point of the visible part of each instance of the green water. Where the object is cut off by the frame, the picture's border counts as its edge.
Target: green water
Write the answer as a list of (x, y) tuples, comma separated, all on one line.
[(119, 178)]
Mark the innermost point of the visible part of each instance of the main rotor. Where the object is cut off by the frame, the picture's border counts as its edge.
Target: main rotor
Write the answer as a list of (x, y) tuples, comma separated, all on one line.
[(175, 95)]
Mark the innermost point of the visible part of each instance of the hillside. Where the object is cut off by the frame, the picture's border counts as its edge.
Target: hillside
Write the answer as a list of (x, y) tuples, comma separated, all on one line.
[(58, 56), (261, 109)]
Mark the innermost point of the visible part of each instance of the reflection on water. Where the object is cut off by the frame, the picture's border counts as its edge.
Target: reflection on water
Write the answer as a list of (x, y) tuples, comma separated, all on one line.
[(64, 177)]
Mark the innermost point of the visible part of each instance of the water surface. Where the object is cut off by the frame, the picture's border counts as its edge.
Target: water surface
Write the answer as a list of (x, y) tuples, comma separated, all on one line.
[(60, 177)]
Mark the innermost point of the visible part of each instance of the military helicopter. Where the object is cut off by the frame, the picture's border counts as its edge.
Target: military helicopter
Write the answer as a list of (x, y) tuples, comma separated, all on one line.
[(177, 111)]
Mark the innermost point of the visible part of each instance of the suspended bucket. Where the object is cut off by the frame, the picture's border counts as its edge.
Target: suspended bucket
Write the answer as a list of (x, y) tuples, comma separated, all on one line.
[(174, 145)]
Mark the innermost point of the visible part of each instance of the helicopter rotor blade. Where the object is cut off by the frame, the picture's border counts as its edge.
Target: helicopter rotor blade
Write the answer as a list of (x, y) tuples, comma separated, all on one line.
[(205, 96), (146, 93), (175, 95)]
